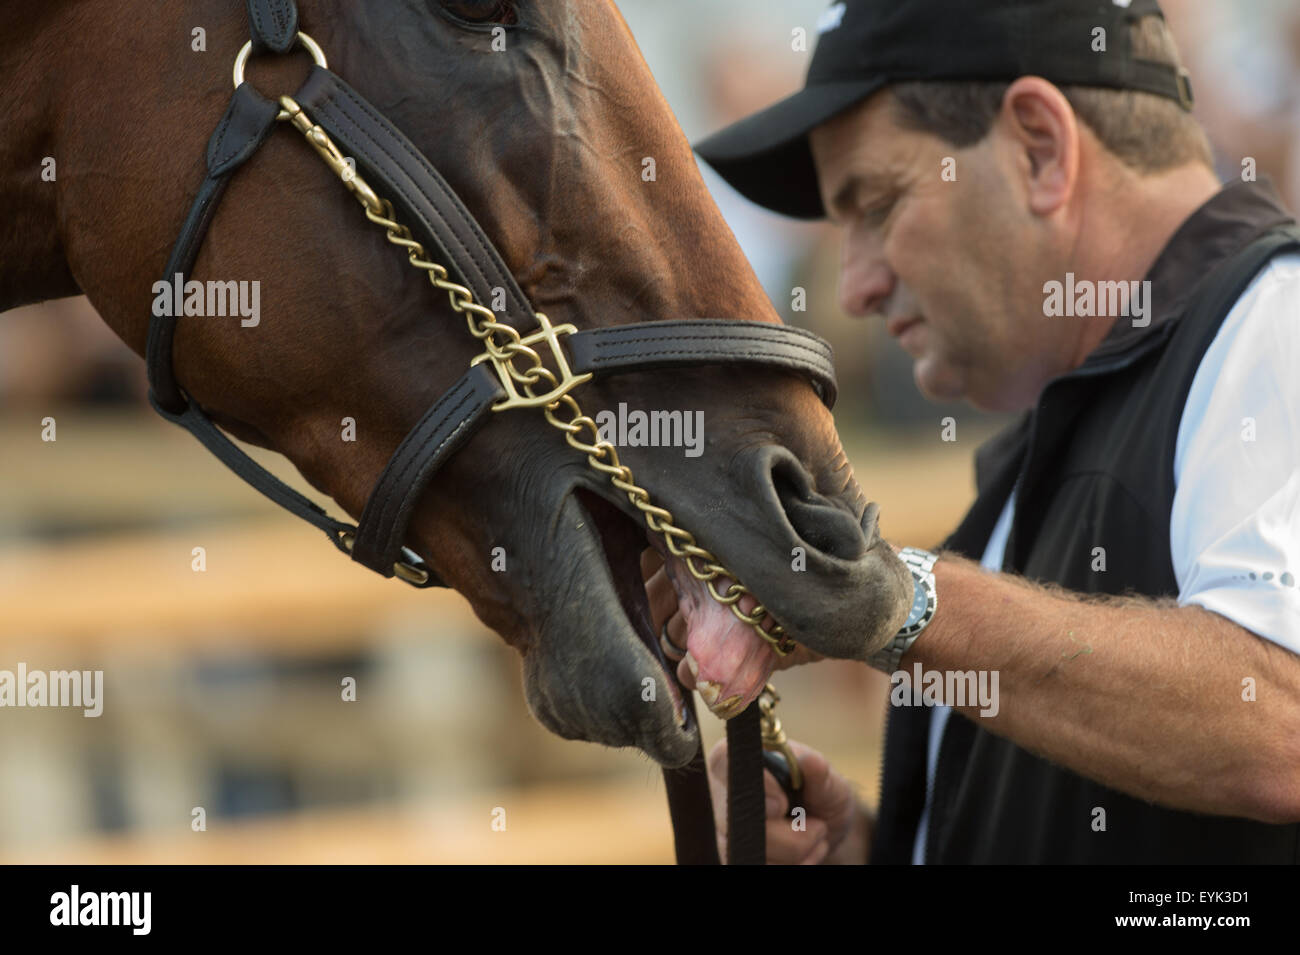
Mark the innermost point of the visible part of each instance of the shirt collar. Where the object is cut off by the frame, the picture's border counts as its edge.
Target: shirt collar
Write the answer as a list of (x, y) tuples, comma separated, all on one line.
[(1233, 217)]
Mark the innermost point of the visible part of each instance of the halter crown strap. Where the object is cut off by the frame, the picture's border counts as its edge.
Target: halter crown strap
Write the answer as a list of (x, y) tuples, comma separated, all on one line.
[(273, 24), (416, 188)]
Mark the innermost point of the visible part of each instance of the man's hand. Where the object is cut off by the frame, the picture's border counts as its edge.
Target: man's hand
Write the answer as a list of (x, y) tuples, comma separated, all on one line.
[(837, 827)]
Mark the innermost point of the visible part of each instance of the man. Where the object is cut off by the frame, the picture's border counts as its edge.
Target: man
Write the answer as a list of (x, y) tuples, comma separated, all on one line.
[(1028, 203)]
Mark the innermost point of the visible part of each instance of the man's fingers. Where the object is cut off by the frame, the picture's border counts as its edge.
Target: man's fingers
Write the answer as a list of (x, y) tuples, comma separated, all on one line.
[(662, 599), (661, 595), (816, 772), (800, 656), (823, 796), (788, 846), (674, 645), (650, 562)]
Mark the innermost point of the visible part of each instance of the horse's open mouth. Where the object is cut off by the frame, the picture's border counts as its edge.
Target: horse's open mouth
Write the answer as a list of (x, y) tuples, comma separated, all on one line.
[(622, 540)]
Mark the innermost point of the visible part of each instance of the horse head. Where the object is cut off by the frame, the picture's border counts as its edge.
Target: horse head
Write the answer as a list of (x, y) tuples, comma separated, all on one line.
[(546, 121)]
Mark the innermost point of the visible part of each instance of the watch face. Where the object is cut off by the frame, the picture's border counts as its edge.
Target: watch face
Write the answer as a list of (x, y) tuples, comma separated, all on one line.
[(920, 600)]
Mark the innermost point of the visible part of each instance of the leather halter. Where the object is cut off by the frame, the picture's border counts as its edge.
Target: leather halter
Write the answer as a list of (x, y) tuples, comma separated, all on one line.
[(438, 216)]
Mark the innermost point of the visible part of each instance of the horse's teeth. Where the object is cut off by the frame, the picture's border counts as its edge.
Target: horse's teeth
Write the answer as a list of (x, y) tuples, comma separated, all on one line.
[(709, 692), (728, 707), (695, 667)]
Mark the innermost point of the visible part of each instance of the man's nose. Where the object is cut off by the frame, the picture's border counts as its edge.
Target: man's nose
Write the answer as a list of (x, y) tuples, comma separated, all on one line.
[(866, 280)]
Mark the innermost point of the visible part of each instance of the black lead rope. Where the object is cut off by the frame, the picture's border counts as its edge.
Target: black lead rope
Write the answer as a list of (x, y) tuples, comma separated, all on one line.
[(746, 802), (442, 220)]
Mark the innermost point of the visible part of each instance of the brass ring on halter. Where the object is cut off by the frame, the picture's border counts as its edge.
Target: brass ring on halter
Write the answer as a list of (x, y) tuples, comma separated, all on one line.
[(307, 43), (411, 569)]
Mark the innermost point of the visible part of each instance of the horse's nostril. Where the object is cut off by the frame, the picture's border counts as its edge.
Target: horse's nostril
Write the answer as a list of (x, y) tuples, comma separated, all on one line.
[(819, 523)]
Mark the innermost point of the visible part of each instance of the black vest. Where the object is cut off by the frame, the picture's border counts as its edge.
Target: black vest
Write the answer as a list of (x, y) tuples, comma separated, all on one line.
[(1092, 466)]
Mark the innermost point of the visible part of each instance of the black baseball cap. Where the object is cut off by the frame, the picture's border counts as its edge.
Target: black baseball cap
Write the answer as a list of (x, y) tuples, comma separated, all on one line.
[(864, 45)]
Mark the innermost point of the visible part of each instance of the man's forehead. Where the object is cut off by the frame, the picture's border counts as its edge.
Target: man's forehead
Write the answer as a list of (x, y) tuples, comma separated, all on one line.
[(863, 148), (868, 129)]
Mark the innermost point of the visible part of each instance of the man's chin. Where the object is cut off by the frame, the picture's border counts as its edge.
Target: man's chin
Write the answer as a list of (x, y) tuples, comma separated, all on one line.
[(937, 382)]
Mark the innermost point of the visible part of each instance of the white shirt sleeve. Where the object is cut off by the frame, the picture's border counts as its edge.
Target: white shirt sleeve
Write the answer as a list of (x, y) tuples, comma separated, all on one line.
[(1235, 528)]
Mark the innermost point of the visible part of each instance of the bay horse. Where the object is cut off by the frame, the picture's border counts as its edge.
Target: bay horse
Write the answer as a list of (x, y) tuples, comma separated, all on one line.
[(545, 120)]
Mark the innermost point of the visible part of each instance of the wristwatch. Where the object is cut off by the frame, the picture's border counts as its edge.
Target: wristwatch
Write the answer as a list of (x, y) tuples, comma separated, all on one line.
[(924, 600)]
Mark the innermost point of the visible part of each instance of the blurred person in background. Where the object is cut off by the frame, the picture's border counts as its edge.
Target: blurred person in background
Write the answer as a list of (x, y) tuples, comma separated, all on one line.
[(1029, 205), (733, 90), (62, 351), (1252, 110)]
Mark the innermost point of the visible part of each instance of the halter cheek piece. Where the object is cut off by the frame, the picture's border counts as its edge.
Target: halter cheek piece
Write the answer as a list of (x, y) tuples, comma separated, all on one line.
[(337, 121)]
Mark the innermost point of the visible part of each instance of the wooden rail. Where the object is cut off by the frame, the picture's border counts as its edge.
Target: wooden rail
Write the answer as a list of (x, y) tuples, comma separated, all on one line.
[(587, 823), (266, 574), (592, 823), (274, 584)]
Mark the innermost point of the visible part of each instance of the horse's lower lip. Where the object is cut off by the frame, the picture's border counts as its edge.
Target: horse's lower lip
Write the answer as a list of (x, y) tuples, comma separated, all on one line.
[(620, 544)]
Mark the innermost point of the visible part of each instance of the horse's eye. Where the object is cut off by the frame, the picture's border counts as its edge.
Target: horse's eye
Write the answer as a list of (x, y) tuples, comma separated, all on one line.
[(482, 11)]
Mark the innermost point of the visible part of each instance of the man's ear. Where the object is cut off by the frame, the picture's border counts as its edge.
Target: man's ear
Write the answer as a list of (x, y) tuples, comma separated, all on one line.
[(1038, 120)]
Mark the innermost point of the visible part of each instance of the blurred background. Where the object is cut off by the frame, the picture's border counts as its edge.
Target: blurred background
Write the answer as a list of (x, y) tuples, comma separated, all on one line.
[(223, 688)]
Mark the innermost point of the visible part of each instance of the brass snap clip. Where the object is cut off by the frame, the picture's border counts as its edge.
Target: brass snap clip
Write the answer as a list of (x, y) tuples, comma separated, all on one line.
[(326, 148)]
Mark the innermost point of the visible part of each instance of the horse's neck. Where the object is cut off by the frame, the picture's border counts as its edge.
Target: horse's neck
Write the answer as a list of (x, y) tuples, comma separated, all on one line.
[(33, 263)]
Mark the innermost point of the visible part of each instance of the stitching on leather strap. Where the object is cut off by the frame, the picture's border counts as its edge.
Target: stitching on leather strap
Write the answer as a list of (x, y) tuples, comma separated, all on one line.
[(420, 160), (282, 14), (621, 339), (251, 140), (743, 326), (221, 134), (788, 361), (414, 491), (731, 339), (487, 265), (480, 276), (415, 436), (160, 339), (385, 518)]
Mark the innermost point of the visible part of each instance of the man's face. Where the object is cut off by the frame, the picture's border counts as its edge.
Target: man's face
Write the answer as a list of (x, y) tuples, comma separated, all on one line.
[(939, 241)]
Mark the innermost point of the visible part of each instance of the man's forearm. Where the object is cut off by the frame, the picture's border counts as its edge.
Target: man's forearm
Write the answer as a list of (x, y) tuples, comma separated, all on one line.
[(1140, 695)]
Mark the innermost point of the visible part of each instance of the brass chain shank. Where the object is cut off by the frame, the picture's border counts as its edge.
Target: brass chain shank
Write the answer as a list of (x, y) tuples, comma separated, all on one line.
[(502, 346), (536, 386)]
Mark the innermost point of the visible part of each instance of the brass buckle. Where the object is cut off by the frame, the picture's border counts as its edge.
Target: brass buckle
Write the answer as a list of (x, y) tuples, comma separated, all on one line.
[(1185, 97), (550, 334), (404, 569)]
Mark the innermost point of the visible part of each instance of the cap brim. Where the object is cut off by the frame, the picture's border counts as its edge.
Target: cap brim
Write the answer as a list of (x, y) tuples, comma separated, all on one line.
[(766, 156)]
